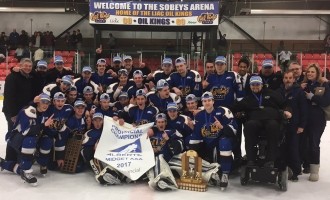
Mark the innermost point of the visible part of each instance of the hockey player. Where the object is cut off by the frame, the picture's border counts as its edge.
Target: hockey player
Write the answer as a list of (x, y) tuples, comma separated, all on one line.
[(141, 113), (167, 69), (58, 131), (92, 137), (24, 137), (85, 80), (222, 84), (185, 81), (163, 96), (71, 95), (101, 77), (78, 124), (192, 107), (165, 143), (138, 84), (181, 123), (63, 86), (104, 107), (122, 86), (212, 136), (88, 97)]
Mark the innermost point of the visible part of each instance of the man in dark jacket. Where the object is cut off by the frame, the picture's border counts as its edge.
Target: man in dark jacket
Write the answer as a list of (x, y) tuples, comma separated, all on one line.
[(270, 79), (56, 74), (262, 108), (296, 101), (19, 91)]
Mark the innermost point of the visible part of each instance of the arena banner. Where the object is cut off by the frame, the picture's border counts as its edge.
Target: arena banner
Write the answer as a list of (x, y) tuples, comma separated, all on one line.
[(154, 13), (126, 148)]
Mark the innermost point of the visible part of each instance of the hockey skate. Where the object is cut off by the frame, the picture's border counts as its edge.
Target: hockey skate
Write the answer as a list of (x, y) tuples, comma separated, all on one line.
[(27, 177), (43, 170), (224, 181)]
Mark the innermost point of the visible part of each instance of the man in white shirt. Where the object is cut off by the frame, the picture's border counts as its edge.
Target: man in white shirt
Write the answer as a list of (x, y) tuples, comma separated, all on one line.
[(284, 58)]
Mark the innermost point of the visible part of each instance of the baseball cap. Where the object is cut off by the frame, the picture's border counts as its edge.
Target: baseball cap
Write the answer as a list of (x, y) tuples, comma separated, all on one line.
[(161, 84), (116, 59), (172, 106), (123, 94), (41, 63), (267, 63), (140, 92), (87, 69), (255, 79), (101, 60), (180, 60), (137, 73), (207, 95), (220, 59), (58, 59), (88, 90), (59, 96), (98, 115), (167, 61), (161, 116), (67, 79), (127, 57), (79, 103), (123, 72), (73, 88), (191, 98), (104, 96), (44, 97)]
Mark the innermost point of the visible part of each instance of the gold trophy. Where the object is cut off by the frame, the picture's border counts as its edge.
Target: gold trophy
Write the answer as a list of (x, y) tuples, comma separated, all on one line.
[(191, 177)]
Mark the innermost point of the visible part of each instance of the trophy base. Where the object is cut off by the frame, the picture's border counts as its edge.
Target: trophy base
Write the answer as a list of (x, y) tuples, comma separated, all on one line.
[(199, 187)]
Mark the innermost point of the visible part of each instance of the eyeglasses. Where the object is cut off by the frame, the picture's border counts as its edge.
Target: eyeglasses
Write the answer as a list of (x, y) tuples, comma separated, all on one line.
[(294, 69)]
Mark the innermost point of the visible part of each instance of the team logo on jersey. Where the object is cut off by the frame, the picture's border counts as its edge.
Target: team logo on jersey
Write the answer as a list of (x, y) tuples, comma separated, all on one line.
[(185, 90), (220, 93), (57, 124), (134, 147), (210, 131), (157, 143)]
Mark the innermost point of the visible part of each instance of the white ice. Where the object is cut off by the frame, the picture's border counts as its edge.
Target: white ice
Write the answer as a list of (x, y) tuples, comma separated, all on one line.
[(83, 186)]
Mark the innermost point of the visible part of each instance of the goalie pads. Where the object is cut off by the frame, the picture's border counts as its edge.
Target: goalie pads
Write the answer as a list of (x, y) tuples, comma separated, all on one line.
[(160, 176), (108, 176), (209, 170)]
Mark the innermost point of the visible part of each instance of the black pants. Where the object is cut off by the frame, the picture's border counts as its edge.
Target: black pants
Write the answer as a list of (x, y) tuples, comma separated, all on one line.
[(10, 123), (238, 139), (293, 149), (314, 130), (252, 130)]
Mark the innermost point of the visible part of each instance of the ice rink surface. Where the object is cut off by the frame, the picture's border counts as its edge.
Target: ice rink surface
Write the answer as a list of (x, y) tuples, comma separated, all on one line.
[(83, 186)]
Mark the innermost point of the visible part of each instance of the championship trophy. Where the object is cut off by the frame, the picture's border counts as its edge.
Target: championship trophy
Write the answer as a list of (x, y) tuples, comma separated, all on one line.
[(72, 152), (191, 177)]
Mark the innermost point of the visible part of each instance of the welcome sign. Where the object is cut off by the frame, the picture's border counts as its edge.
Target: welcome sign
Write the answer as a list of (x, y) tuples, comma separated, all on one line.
[(126, 148), (154, 13)]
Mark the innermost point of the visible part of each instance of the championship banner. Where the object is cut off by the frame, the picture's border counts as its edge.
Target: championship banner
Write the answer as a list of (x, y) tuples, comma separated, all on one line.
[(126, 148), (154, 13)]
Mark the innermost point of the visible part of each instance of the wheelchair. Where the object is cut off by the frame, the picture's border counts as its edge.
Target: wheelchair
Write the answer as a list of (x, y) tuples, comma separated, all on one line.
[(273, 175)]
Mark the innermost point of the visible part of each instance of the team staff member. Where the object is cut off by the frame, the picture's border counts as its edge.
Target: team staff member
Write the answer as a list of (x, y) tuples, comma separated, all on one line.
[(297, 103), (262, 108), (270, 79), (318, 95), (18, 91)]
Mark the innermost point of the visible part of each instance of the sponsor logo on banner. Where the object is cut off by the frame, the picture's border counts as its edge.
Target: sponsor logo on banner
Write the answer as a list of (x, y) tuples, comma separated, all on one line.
[(207, 18), (99, 16), (126, 148)]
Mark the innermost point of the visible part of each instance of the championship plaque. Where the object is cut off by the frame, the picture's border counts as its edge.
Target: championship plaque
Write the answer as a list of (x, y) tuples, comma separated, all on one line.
[(72, 152), (191, 177)]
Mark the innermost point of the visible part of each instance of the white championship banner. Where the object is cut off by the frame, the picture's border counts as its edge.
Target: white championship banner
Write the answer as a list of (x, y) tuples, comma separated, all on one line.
[(126, 148)]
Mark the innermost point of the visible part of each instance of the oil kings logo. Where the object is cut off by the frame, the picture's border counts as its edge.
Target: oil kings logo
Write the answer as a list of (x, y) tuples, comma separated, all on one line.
[(99, 16), (206, 18)]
